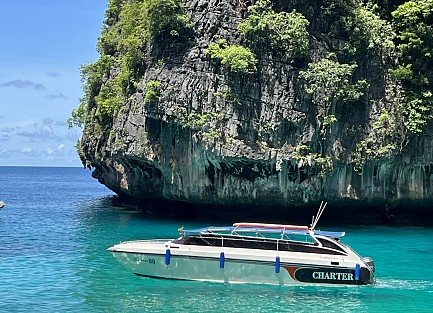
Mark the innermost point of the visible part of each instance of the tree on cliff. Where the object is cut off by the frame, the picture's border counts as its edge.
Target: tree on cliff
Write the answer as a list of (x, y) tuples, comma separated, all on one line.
[(413, 21)]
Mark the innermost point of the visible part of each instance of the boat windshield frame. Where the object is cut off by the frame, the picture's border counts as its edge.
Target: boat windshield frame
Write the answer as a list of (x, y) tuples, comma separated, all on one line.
[(228, 230), (296, 236), (281, 238)]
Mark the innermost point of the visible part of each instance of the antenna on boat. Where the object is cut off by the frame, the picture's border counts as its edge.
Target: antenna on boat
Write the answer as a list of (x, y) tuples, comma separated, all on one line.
[(319, 214)]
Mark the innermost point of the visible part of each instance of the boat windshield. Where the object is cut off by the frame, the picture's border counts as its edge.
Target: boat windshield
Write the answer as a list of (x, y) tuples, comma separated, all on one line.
[(302, 236), (299, 238)]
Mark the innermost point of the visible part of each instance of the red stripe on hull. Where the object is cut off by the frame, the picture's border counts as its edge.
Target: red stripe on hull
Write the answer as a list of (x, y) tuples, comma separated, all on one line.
[(292, 270)]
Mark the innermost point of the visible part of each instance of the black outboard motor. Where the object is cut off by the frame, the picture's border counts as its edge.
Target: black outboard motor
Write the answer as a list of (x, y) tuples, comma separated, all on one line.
[(368, 275)]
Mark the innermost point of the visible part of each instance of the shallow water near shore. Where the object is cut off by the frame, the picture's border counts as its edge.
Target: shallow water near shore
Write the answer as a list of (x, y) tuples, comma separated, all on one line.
[(58, 223)]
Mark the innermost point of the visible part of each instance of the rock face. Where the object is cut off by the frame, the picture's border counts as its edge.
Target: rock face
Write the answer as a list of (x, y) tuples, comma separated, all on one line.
[(249, 151)]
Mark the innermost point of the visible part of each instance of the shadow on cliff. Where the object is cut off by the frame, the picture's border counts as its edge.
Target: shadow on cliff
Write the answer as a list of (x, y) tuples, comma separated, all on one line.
[(336, 214)]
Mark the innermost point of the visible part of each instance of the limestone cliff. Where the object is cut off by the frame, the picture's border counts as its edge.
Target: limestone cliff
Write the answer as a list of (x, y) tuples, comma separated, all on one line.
[(192, 129)]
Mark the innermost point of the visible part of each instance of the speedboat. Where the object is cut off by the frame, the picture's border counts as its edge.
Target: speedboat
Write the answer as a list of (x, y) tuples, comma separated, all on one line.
[(249, 253)]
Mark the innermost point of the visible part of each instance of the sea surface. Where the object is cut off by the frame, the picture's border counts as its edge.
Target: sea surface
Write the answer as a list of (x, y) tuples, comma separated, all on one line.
[(58, 223)]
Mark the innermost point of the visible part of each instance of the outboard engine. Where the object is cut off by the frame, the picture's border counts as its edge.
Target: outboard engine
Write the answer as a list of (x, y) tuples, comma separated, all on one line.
[(368, 275), (369, 262)]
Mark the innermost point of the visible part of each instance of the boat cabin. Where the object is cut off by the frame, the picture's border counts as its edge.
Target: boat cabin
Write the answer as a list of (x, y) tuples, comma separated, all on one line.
[(263, 238)]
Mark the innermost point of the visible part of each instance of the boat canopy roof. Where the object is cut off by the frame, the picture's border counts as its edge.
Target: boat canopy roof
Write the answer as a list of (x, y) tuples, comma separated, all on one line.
[(258, 231), (271, 226)]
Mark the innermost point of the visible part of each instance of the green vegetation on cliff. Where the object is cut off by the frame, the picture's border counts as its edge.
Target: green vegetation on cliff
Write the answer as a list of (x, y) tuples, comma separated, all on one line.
[(152, 93), (328, 82), (413, 21), (338, 46), (282, 31), (369, 34), (129, 27), (236, 58), (409, 114)]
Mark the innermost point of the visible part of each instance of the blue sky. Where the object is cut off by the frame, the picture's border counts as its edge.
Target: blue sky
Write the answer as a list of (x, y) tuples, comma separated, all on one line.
[(43, 45)]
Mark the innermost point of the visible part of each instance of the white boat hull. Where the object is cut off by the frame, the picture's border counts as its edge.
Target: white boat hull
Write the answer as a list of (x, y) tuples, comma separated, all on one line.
[(161, 260), (202, 269)]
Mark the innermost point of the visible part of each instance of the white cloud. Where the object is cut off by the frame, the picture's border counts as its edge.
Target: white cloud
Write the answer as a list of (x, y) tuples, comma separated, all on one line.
[(56, 96), (59, 149), (39, 133), (38, 141), (22, 84), (5, 137), (26, 150)]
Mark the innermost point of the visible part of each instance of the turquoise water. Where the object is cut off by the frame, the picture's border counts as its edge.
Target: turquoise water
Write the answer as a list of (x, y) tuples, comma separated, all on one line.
[(58, 222)]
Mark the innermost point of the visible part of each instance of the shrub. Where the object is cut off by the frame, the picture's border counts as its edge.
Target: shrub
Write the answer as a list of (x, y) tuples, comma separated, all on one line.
[(235, 58), (284, 31), (165, 16), (152, 93), (368, 33), (329, 80)]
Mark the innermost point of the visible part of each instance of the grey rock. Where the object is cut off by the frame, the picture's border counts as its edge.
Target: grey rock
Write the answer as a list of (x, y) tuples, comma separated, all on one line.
[(150, 154)]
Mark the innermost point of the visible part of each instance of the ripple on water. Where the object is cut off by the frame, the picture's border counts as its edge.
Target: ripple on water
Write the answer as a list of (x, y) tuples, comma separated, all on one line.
[(398, 284)]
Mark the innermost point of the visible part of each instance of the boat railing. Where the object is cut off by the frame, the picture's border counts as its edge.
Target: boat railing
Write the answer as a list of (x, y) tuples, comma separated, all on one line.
[(223, 241), (261, 234), (304, 238), (147, 241), (234, 239), (259, 243)]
